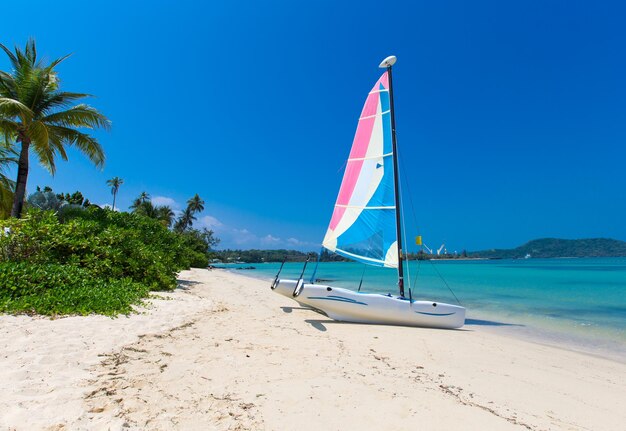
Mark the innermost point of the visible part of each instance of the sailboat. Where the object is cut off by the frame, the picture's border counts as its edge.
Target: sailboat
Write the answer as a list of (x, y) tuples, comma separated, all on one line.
[(366, 227)]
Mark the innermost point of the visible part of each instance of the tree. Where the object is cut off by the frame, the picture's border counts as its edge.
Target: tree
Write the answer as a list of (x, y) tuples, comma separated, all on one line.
[(75, 198), (115, 184), (146, 209), (144, 206), (34, 113), (185, 220), (143, 197), (201, 240), (46, 200), (196, 204), (165, 214)]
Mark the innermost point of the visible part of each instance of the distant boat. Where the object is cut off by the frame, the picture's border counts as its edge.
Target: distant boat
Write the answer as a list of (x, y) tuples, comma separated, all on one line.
[(527, 256), (366, 227)]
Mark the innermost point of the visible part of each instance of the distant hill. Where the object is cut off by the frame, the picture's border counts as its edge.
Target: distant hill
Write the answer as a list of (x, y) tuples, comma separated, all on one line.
[(554, 247)]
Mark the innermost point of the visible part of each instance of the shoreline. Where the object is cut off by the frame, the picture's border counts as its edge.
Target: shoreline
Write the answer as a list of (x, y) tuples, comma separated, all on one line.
[(224, 352), (500, 324)]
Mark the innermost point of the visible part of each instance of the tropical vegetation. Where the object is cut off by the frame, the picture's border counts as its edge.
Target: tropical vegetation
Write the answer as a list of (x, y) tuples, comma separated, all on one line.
[(143, 205), (201, 241), (46, 199), (90, 260)]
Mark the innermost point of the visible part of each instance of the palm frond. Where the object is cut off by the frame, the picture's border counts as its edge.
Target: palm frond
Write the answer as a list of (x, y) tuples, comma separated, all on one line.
[(88, 145), (7, 85), (35, 87), (58, 147), (79, 116), (8, 156), (43, 146), (6, 200), (11, 56), (8, 129), (56, 62), (7, 153), (29, 55), (11, 108), (31, 51), (59, 99), (38, 134), (6, 183)]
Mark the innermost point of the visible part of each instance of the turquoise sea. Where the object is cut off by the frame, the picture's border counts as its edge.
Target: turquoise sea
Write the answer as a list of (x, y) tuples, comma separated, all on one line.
[(580, 303)]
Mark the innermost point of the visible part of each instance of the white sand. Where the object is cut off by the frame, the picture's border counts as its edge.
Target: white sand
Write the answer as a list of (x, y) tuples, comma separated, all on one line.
[(227, 353)]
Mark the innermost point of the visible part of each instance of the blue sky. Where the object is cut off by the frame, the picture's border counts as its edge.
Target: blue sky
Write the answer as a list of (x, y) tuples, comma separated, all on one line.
[(511, 116)]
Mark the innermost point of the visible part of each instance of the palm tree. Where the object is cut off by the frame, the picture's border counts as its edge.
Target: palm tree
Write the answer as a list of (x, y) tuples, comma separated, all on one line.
[(185, 220), (195, 204), (142, 198), (146, 209), (115, 184), (165, 214), (38, 116)]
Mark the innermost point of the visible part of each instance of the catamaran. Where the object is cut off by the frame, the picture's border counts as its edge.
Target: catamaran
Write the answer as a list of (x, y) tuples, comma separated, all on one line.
[(366, 227)]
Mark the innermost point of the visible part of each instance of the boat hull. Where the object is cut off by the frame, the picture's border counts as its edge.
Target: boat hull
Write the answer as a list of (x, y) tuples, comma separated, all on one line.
[(349, 306)]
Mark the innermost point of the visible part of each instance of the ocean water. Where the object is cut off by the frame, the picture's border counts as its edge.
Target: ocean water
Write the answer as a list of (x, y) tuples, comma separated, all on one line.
[(580, 303)]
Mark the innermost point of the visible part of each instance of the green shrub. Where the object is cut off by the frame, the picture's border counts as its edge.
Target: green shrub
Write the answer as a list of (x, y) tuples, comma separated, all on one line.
[(109, 244), (90, 260), (54, 289), (195, 248)]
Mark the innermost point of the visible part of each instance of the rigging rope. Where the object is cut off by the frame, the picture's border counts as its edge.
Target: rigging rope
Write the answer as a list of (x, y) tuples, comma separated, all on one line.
[(445, 282), (405, 254), (405, 178), (417, 272)]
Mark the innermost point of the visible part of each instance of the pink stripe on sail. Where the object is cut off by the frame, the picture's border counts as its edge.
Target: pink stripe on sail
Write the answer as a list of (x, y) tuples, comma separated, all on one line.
[(359, 150)]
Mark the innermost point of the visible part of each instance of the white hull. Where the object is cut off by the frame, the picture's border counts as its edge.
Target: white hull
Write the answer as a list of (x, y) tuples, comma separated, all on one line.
[(349, 306)]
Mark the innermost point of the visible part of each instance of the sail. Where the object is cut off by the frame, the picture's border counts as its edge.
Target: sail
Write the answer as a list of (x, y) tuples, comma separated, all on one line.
[(363, 224)]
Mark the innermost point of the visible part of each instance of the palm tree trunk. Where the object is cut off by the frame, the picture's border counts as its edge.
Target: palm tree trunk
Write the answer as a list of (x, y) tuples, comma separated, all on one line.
[(114, 195), (22, 176)]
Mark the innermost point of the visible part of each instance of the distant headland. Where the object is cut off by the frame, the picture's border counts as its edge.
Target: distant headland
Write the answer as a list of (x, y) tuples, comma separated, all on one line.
[(538, 248), (555, 247)]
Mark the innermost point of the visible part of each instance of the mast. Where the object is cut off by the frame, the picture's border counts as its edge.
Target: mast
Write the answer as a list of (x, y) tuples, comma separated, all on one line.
[(388, 63)]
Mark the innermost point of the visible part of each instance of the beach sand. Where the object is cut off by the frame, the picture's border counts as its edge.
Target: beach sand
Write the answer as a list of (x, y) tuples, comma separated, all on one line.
[(225, 353)]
